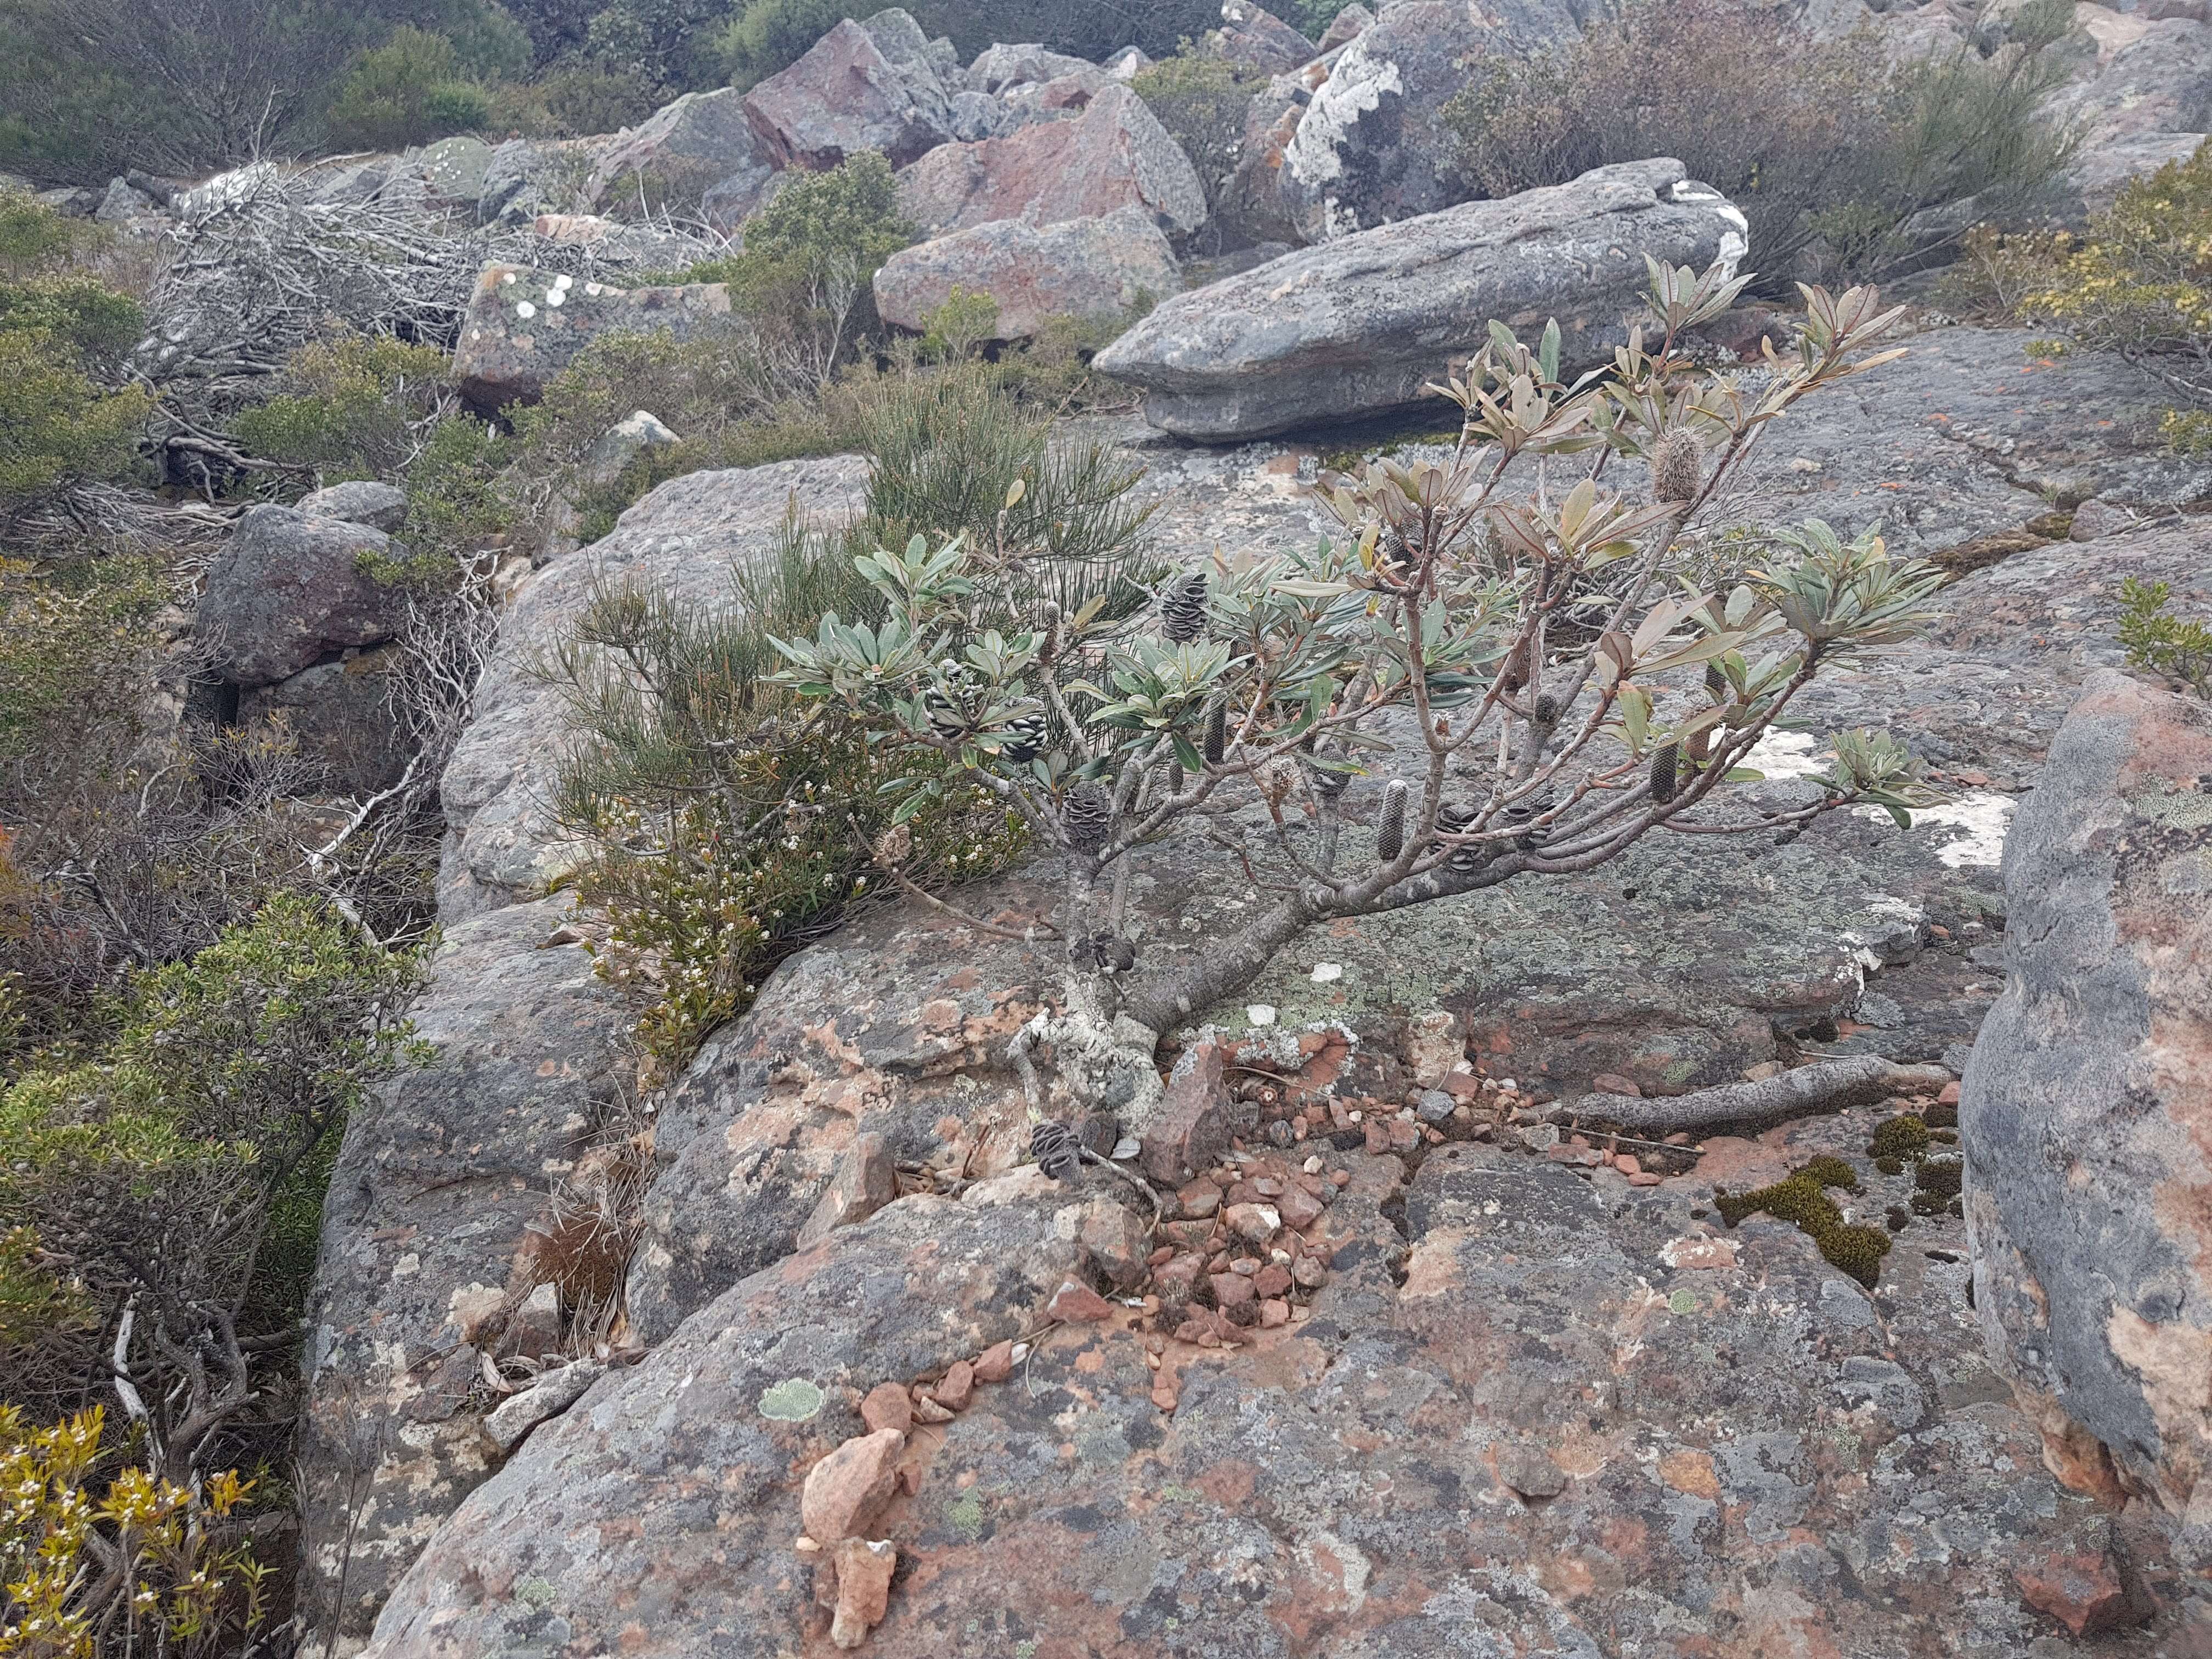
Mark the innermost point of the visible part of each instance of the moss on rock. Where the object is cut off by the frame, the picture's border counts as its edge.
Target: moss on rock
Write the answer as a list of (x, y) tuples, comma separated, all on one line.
[(1802, 1199)]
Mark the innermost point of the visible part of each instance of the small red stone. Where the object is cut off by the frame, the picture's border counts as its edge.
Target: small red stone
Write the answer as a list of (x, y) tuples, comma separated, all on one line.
[(996, 1364), (1077, 1304)]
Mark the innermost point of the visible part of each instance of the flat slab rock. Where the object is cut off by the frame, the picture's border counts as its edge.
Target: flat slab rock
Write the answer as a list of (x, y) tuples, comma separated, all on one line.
[(1515, 1429)]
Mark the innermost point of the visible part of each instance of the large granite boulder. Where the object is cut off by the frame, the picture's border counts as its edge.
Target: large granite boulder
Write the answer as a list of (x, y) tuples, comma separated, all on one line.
[(1082, 268), (523, 326), (998, 70), (1370, 148), (1260, 40), (2087, 1117), (679, 153), (2153, 75), (289, 589), (438, 1182), (442, 1178), (1359, 324), (1116, 154), (849, 93)]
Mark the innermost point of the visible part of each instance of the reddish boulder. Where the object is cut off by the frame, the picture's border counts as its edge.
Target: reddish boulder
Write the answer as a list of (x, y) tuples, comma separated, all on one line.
[(844, 96), (1085, 268), (1260, 41), (1196, 1119), (1115, 154), (2087, 1591), (846, 1492)]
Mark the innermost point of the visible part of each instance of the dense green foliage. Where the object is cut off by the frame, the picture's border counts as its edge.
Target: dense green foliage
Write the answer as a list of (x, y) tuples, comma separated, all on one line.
[(1202, 98), (407, 91), (1828, 161), (2157, 640)]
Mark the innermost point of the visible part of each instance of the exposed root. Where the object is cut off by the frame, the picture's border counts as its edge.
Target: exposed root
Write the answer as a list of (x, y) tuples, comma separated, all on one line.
[(1826, 1085), (1103, 1064)]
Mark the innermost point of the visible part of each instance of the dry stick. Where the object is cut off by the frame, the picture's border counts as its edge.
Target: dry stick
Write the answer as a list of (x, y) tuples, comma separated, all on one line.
[(1826, 1085)]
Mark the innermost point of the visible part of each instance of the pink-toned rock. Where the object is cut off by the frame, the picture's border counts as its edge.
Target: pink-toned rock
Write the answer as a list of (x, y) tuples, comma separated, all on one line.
[(1255, 1224), (1176, 1279), (1089, 269), (1197, 1120), (956, 1387), (887, 1406), (864, 1589), (844, 96), (1260, 40), (2087, 1592), (1199, 1200), (1115, 154), (1274, 1280), (1115, 1242), (1299, 1208), (846, 1492), (865, 1180), (1273, 1313), (996, 1364), (1077, 1304), (1612, 1082)]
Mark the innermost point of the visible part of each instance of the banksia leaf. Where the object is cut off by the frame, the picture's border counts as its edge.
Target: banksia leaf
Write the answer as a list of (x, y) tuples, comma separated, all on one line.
[(1182, 608), (1678, 466), (1390, 830), (1217, 730), (1086, 817), (1662, 773)]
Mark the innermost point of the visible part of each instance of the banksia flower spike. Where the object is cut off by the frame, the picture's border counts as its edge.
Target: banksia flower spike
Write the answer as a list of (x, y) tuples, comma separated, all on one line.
[(1390, 829), (1175, 777), (1678, 466), (1663, 779), (1217, 730), (1086, 817), (1182, 608)]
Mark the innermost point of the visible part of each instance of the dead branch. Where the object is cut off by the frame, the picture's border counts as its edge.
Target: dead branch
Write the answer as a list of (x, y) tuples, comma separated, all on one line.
[(1826, 1085)]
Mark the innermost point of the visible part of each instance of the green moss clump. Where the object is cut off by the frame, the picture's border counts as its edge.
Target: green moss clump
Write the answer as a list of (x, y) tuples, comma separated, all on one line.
[(1941, 1117), (1945, 1176), (1890, 1165), (1899, 1218), (1802, 1199), (1944, 1137), (1901, 1137)]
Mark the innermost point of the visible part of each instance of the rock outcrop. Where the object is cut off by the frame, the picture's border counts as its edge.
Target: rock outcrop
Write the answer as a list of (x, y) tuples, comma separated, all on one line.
[(524, 326), (860, 86), (700, 140), (2086, 1116), (1115, 154), (1082, 268), (289, 589), (1360, 324)]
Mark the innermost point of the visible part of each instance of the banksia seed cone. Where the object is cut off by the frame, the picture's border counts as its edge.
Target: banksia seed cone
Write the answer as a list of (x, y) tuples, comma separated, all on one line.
[(1457, 820), (1678, 466), (894, 847), (1547, 707), (1390, 829), (1662, 773), (1717, 683), (1057, 1150), (1217, 730), (1087, 817), (1024, 739), (1182, 607)]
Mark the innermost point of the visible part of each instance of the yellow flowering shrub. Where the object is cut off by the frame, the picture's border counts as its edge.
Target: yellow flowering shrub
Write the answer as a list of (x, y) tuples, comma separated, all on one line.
[(85, 1567)]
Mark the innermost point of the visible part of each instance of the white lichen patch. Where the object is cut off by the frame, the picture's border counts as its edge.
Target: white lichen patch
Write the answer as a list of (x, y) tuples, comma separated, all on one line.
[(1259, 1013), (564, 281), (1788, 755), (507, 280), (1324, 972), (555, 297), (1982, 818), (526, 311)]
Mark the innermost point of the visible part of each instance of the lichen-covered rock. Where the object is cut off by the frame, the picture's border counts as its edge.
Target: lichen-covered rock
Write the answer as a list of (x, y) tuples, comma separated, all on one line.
[(849, 93), (1360, 324), (2157, 78), (361, 501), (523, 326), (679, 152), (606, 1521), (1082, 268), (287, 589), (1115, 154), (1262, 40), (436, 1183), (1370, 148), (1392, 1475), (2087, 1115)]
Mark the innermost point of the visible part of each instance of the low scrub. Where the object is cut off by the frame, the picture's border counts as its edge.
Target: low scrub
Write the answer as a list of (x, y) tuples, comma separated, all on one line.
[(1829, 161)]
